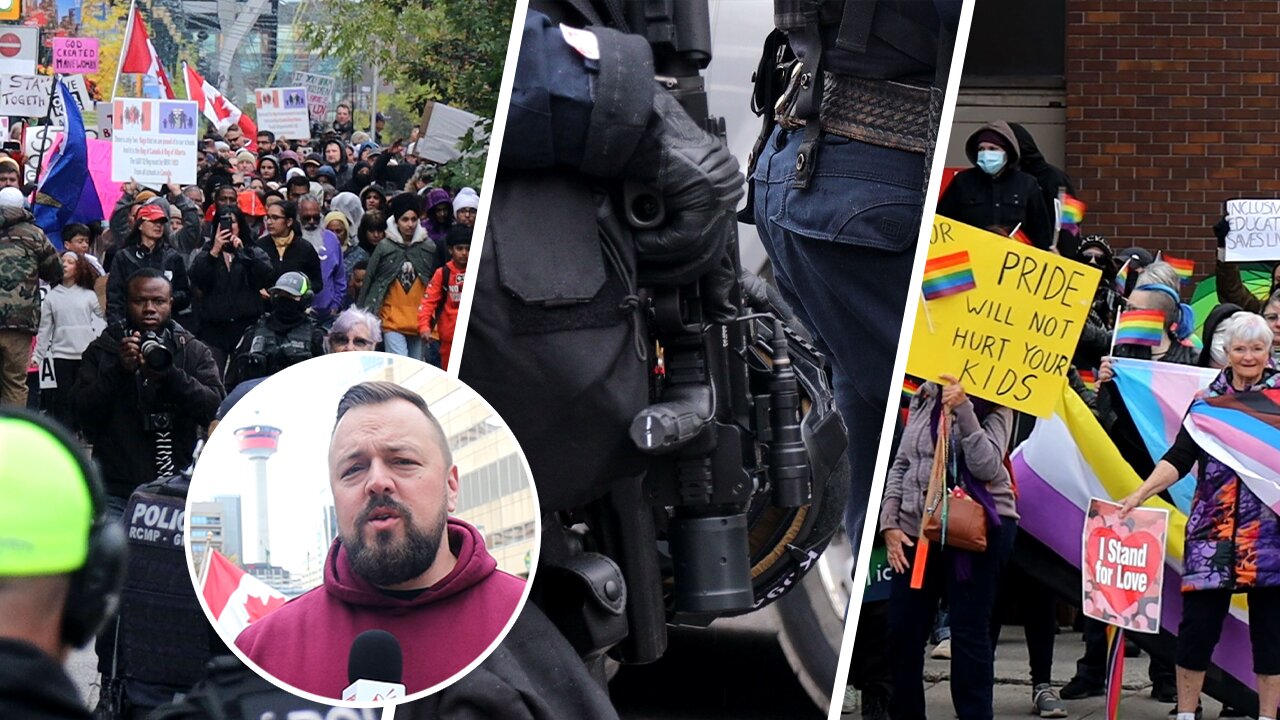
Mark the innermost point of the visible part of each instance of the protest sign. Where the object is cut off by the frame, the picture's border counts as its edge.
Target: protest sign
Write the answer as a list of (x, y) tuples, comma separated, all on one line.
[(19, 50), (75, 55), (1253, 230), (37, 141), (1122, 565), (283, 111), (154, 141), (29, 96), (443, 127), (1010, 338), (319, 93)]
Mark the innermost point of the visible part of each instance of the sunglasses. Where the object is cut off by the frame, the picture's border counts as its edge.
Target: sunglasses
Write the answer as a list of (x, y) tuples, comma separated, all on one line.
[(310, 218)]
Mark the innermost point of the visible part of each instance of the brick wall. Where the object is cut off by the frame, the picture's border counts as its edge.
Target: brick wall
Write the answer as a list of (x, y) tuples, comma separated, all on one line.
[(1173, 106)]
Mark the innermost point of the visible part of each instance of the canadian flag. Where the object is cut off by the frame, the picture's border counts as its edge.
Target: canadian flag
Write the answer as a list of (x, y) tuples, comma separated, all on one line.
[(235, 597), (217, 108), (140, 55)]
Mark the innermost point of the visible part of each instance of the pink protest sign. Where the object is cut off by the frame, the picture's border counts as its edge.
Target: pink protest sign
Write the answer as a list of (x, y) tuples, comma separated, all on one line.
[(1122, 566), (76, 56)]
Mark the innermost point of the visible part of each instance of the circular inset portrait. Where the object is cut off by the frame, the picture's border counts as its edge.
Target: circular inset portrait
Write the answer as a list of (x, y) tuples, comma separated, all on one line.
[(361, 528)]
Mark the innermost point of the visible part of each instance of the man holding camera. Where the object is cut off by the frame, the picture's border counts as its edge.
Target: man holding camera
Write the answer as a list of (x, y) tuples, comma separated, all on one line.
[(146, 387)]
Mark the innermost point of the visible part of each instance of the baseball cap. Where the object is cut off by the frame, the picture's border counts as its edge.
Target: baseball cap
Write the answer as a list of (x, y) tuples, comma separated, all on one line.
[(294, 283), (44, 526), (327, 171), (313, 158), (151, 212)]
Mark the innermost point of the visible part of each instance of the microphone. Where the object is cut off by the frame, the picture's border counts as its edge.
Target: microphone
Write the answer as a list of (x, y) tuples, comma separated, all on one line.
[(374, 668)]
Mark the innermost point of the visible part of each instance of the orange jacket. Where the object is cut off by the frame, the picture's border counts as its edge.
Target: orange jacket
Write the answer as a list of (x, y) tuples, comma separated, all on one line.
[(436, 292)]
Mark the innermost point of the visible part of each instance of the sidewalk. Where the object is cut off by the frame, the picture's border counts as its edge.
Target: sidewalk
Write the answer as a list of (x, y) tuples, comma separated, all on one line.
[(1013, 683)]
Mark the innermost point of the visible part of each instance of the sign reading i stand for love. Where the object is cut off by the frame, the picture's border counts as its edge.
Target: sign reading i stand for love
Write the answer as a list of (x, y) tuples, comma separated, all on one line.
[(1122, 565), (75, 55)]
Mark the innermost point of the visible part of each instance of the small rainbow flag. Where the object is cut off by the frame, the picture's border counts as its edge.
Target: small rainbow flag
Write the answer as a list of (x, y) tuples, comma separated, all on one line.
[(1020, 237), (948, 275), (1140, 327), (910, 386), (1072, 210), (1115, 671), (1185, 268), (1122, 277), (1089, 378)]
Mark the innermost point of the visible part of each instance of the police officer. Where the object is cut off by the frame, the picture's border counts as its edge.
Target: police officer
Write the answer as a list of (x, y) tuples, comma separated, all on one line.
[(61, 565), (285, 336), (838, 189)]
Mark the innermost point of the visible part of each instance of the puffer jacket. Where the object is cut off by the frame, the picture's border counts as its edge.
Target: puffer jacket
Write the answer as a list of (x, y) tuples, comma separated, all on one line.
[(387, 259), (26, 258), (1233, 538)]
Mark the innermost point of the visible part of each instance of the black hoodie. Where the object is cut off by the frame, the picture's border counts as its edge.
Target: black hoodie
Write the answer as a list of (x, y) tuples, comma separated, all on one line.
[(1049, 177), (1009, 199)]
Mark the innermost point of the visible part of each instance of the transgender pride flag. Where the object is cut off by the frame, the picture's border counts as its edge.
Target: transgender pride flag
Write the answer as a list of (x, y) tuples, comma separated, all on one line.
[(1067, 459), (1157, 396), (1243, 430)]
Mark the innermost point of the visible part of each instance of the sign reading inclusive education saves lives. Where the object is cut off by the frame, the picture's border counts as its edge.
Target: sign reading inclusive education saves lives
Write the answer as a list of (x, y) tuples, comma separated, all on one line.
[(1009, 338), (1253, 230)]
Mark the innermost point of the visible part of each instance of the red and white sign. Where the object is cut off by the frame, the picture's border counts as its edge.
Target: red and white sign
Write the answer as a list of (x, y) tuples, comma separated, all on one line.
[(19, 48), (154, 142), (284, 112), (1122, 565), (236, 598), (75, 55), (217, 108)]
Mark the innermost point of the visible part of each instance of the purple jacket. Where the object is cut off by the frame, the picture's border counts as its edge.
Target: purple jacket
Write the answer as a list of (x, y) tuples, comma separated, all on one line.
[(1233, 538), (329, 300)]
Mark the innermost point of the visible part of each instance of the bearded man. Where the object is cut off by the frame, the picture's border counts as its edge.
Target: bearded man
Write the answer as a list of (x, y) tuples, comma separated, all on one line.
[(400, 564)]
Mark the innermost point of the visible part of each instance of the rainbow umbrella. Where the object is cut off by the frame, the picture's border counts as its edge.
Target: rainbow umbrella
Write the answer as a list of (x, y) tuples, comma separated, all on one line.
[(1256, 277)]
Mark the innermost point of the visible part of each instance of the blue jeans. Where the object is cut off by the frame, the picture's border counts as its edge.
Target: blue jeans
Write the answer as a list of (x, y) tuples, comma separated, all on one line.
[(403, 344), (971, 601), (842, 252)]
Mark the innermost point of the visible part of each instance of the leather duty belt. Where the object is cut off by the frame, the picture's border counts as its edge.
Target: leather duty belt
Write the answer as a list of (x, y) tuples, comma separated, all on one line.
[(878, 112)]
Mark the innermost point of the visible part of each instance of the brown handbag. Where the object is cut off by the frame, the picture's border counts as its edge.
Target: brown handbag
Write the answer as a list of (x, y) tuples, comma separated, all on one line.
[(951, 518)]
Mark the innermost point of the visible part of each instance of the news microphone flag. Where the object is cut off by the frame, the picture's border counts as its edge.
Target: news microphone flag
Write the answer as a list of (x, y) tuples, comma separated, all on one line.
[(236, 598), (948, 275), (372, 691), (1140, 327), (1184, 268)]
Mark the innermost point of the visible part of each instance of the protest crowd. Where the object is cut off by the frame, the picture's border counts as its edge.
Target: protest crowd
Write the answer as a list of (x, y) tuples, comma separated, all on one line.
[(137, 326), (1145, 373)]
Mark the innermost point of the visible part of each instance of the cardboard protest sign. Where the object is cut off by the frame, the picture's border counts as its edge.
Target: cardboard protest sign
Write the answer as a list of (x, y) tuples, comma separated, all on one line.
[(75, 55), (29, 96), (37, 141), (1253, 230), (443, 127), (154, 141), (1122, 565), (1010, 335), (319, 92), (283, 111)]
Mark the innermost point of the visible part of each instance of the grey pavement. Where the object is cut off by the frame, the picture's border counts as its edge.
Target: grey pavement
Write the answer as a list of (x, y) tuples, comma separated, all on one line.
[(1013, 683)]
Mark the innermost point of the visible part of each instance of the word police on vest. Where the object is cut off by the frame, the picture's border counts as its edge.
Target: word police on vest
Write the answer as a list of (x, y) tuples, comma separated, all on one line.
[(374, 668), (157, 524)]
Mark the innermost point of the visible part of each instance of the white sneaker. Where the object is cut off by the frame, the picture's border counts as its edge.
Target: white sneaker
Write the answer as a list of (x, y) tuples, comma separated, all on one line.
[(942, 651)]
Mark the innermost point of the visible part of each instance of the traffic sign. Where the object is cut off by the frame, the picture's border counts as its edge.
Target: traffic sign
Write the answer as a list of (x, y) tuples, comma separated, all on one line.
[(11, 10), (19, 48)]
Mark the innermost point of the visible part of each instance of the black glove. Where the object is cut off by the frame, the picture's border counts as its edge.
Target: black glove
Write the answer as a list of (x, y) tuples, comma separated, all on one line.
[(697, 177), (1220, 229), (763, 297)]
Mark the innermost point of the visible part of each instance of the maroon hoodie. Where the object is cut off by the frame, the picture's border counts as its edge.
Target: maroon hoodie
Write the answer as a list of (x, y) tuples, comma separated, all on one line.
[(307, 641)]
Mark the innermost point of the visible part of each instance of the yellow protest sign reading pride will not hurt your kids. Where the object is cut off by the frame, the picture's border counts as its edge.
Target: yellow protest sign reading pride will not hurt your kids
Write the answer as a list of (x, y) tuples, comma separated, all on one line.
[(1010, 339)]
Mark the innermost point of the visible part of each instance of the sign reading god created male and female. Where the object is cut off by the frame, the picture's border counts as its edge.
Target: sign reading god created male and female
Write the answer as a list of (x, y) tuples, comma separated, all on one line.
[(1010, 334), (154, 141), (284, 112), (1253, 230), (1122, 565)]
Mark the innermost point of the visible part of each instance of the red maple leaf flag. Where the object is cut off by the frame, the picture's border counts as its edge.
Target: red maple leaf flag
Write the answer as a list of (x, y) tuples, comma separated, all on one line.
[(217, 108), (140, 54), (236, 598)]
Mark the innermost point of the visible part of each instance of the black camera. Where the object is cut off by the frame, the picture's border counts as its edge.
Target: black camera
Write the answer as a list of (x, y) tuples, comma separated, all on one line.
[(155, 351)]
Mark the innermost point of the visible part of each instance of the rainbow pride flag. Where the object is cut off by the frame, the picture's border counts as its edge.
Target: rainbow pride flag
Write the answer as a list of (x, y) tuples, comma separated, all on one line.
[(1072, 210), (1140, 327), (948, 275), (1020, 237), (1122, 277), (1089, 378), (1115, 671), (1185, 268), (910, 385)]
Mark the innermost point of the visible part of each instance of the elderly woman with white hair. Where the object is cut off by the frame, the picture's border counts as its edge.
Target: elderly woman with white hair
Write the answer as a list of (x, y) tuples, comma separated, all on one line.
[(1233, 536), (354, 329)]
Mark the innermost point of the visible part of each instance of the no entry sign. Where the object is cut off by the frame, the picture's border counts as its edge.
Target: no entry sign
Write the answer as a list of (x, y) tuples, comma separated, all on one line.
[(19, 47)]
